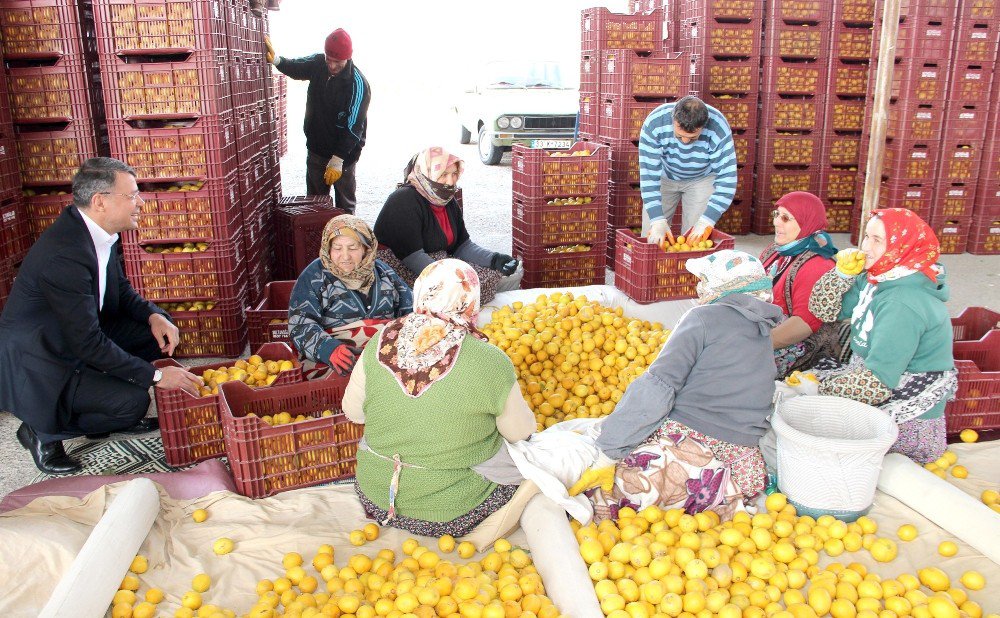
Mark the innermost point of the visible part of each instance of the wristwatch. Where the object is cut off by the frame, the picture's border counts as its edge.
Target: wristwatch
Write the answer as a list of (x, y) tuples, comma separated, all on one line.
[(157, 376)]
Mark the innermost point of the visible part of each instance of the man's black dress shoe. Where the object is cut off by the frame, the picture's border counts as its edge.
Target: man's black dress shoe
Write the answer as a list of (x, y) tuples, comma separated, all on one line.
[(50, 458), (143, 426)]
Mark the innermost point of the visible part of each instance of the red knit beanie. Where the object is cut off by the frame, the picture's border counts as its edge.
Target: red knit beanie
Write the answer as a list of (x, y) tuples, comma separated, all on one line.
[(338, 45)]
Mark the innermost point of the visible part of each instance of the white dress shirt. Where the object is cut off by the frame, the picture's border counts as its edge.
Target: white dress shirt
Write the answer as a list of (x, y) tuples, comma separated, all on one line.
[(102, 244)]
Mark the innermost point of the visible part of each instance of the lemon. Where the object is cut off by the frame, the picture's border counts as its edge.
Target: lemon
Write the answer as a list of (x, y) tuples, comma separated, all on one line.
[(973, 580), (934, 578), (139, 565), (199, 515), (130, 582), (223, 546), (144, 610), (191, 600), (371, 531), (947, 549), (466, 549), (968, 435), (776, 501), (907, 532), (201, 582), (154, 595), (960, 472), (357, 538), (990, 496)]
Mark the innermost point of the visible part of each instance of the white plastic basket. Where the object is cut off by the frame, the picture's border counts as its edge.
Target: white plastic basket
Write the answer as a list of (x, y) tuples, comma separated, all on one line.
[(830, 452)]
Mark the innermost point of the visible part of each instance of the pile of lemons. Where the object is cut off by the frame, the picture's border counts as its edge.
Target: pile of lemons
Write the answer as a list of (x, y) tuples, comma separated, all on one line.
[(658, 563), (254, 371), (682, 244), (286, 418), (420, 584), (574, 357)]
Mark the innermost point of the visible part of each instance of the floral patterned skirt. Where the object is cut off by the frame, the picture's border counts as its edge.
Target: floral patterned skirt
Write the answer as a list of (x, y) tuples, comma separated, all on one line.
[(923, 441), (458, 527), (678, 467), (488, 279)]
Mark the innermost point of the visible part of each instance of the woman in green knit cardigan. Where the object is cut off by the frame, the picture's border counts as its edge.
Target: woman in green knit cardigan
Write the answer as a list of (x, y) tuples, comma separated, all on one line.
[(437, 401)]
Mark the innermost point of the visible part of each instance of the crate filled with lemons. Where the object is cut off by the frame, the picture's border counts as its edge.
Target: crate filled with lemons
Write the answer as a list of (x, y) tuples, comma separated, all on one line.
[(574, 357)]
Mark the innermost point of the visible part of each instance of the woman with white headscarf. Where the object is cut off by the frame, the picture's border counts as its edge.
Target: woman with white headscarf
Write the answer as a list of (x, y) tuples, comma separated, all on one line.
[(437, 401), (685, 434)]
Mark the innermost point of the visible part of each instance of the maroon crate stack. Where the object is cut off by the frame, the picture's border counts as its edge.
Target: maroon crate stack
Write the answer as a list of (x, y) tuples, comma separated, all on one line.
[(724, 41), (793, 103), (14, 230), (984, 234), (54, 98), (298, 230), (846, 88)]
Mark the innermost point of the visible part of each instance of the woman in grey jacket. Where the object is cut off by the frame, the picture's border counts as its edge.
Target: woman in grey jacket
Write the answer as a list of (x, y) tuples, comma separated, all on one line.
[(685, 434)]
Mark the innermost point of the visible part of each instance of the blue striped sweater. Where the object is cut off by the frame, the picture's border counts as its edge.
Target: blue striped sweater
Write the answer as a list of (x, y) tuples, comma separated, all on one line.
[(660, 153)]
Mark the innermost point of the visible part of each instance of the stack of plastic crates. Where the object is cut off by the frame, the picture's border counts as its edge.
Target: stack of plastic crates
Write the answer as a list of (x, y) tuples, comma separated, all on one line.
[(919, 90), (14, 230), (298, 229), (796, 62), (170, 115), (724, 40), (559, 215), (54, 98), (846, 87), (984, 234)]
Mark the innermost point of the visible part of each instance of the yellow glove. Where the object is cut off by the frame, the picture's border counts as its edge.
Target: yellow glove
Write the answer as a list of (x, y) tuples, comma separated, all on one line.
[(601, 474), (334, 170), (850, 262), (270, 55)]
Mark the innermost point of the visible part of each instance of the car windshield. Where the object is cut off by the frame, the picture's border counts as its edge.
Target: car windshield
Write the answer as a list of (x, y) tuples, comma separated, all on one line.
[(522, 75)]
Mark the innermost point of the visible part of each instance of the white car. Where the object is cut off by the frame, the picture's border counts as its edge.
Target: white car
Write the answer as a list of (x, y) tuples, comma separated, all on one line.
[(518, 103)]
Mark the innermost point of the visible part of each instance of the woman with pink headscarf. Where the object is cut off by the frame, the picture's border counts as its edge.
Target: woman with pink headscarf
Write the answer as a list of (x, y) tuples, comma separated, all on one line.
[(800, 255), (421, 222)]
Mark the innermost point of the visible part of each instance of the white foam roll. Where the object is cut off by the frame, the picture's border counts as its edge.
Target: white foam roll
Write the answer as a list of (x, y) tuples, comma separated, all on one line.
[(554, 552), (86, 590), (941, 502)]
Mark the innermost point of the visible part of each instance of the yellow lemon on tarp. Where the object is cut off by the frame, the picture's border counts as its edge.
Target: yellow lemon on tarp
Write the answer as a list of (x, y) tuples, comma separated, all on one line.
[(223, 546)]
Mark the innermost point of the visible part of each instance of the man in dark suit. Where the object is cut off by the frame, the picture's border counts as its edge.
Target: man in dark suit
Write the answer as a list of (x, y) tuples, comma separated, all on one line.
[(76, 340)]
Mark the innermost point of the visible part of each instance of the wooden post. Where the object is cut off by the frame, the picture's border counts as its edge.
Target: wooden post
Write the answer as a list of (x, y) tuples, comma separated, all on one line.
[(880, 108)]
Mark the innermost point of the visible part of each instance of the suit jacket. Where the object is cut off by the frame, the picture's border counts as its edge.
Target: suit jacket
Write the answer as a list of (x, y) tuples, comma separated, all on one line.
[(51, 325)]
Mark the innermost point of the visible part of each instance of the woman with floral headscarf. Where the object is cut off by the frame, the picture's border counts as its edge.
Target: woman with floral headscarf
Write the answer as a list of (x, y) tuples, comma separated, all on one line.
[(685, 434), (901, 335), (343, 296), (437, 401), (421, 222), (800, 254)]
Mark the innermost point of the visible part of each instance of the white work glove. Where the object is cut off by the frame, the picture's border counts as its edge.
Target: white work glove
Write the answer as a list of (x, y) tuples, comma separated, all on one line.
[(701, 231), (334, 170), (657, 231)]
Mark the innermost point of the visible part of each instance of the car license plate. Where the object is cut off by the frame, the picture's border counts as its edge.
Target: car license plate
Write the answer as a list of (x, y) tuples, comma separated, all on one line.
[(551, 143)]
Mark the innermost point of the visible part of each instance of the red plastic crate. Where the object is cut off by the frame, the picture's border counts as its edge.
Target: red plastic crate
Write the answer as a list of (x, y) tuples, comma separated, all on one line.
[(979, 10), (722, 77), (922, 122), (974, 323), (137, 27), (197, 86), (976, 41), (785, 77), (954, 199), (624, 162), (984, 237), (921, 38), (621, 118), (624, 206), (842, 149), (720, 11), (916, 81), (854, 12), (40, 29), (740, 111), (647, 273), (721, 40), (210, 213), (792, 114), (736, 220), (219, 332), (49, 94), (15, 234), (267, 321), (929, 9), (298, 224), (540, 223), (965, 122), (266, 459), (952, 233), (600, 30), (645, 6), (43, 210), (624, 74), (838, 183), (590, 73), (587, 123), (970, 83), (845, 114), (10, 169), (796, 41), (545, 269), (213, 274), (801, 11), (53, 157), (789, 150), (910, 161), (190, 426), (851, 43), (206, 149), (918, 197), (960, 161), (545, 173), (977, 403)]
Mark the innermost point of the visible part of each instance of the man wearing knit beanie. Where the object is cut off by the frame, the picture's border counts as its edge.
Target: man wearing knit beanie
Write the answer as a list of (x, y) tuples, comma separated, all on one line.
[(336, 116)]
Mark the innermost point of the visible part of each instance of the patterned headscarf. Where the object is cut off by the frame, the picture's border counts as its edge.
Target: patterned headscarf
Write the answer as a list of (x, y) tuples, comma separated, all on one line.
[(729, 272), (355, 228), (421, 348), (910, 246), (426, 167)]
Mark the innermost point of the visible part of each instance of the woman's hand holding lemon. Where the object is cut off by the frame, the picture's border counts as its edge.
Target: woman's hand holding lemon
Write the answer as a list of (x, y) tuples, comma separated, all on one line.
[(850, 262)]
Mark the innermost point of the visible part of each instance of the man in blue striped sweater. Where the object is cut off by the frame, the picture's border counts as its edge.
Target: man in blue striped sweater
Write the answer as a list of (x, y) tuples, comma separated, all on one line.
[(686, 156), (336, 115)]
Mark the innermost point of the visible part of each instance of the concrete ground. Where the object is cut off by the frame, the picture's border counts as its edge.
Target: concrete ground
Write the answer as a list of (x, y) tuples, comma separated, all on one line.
[(399, 127)]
